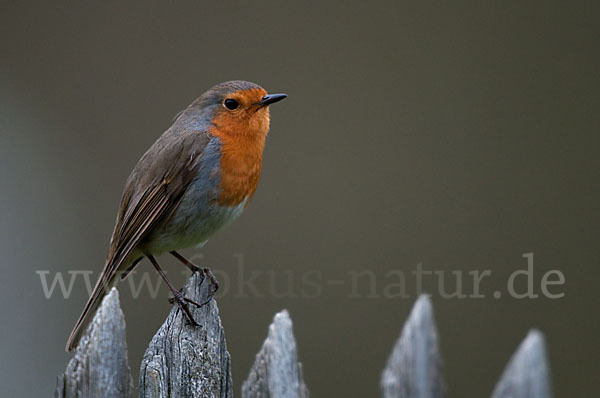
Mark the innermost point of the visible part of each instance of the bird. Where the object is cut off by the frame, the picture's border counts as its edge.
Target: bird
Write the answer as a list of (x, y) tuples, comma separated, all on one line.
[(197, 178)]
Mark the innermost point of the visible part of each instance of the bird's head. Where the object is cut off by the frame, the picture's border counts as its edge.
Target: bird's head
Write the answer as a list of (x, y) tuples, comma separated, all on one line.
[(239, 108)]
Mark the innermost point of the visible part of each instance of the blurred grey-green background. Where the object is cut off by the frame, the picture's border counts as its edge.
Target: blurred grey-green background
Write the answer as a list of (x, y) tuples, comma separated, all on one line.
[(459, 135)]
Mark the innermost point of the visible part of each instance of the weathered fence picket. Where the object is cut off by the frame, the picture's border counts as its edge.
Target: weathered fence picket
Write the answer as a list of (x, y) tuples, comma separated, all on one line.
[(276, 371), (99, 367), (414, 368), (183, 360), (527, 374), (186, 361)]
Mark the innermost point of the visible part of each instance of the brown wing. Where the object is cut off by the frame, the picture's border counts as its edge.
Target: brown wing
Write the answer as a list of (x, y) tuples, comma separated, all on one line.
[(152, 192)]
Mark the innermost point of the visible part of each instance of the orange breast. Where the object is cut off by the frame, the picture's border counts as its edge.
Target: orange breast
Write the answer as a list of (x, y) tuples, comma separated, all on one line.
[(242, 143)]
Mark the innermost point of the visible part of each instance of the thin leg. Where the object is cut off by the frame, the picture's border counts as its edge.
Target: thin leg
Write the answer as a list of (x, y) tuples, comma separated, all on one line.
[(195, 268), (178, 297)]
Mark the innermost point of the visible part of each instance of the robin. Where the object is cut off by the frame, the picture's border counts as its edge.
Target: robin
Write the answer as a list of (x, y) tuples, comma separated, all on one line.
[(195, 179)]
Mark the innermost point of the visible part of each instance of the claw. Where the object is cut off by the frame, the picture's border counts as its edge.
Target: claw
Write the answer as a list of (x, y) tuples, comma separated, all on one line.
[(187, 300), (182, 302), (213, 280), (178, 297), (172, 299)]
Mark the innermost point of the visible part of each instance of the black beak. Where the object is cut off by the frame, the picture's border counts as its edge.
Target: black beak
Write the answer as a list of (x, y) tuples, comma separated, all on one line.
[(271, 99)]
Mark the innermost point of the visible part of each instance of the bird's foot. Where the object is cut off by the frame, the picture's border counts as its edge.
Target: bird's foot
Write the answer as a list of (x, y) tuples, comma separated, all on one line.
[(214, 283), (213, 287), (182, 302)]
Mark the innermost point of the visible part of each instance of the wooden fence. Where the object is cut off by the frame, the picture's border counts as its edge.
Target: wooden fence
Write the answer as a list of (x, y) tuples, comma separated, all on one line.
[(187, 361)]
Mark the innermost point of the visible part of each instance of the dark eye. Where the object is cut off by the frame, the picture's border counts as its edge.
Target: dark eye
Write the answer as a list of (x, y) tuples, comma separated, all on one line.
[(231, 104)]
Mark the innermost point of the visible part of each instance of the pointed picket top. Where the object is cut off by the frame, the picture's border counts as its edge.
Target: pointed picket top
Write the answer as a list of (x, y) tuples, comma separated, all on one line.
[(184, 360), (99, 367), (414, 368), (527, 374), (276, 371)]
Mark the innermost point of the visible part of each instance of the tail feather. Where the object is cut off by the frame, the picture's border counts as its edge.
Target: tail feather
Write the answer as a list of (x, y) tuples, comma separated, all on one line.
[(100, 290)]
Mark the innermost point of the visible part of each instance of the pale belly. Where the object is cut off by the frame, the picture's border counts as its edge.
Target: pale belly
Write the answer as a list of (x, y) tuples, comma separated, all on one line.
[(191, 224)]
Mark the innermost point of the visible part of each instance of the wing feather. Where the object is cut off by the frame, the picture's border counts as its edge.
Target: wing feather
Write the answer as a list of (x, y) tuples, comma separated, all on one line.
[(152, 193), (158, 201)]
